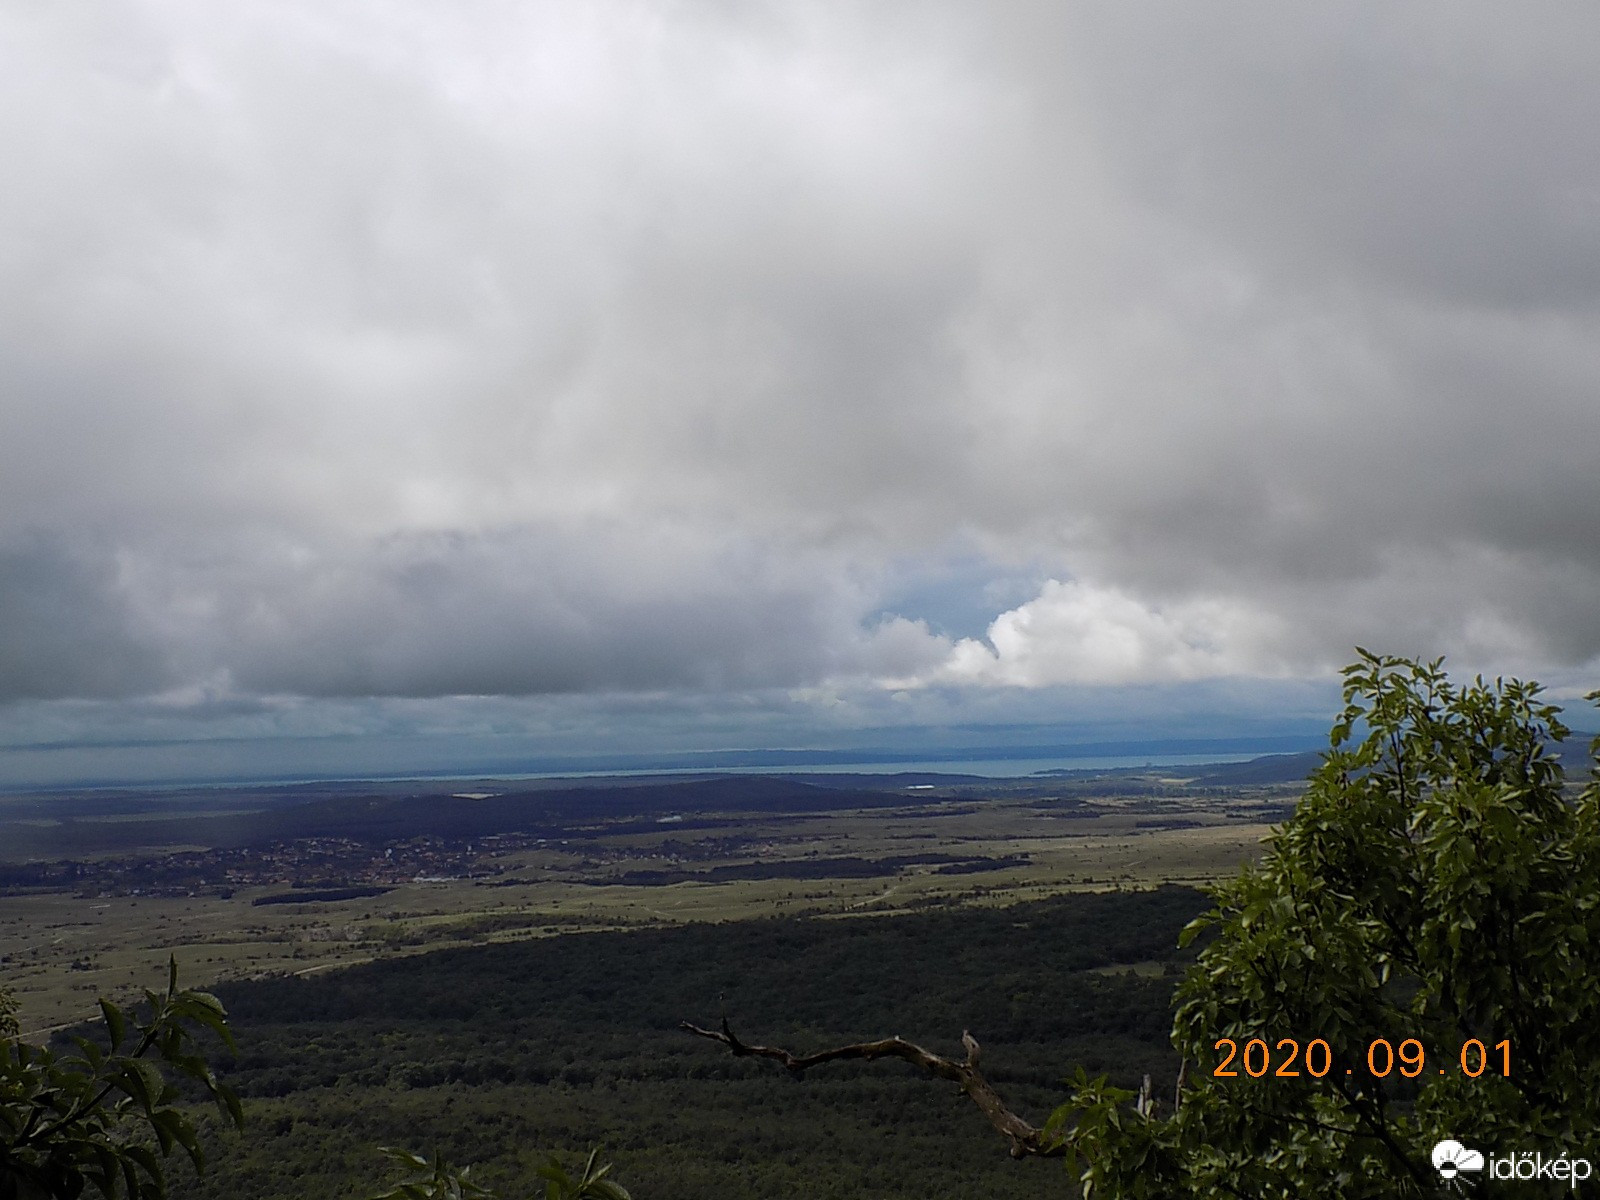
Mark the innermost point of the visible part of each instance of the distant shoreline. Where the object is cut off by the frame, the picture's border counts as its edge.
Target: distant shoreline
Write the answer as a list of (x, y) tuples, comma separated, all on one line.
[(998, 762)]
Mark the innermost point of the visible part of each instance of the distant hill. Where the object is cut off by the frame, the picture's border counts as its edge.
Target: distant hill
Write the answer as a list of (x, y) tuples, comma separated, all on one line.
[(1270, 768), (1292, 768)]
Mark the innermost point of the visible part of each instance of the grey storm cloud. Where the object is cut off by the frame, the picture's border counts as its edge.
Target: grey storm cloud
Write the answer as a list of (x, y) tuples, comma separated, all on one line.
[(576, 610), (67, 630), (594, 607), (407, 350)]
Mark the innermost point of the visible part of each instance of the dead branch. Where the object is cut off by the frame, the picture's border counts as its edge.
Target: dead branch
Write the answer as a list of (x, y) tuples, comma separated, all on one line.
[(1144, 1104), (1024, 1138)]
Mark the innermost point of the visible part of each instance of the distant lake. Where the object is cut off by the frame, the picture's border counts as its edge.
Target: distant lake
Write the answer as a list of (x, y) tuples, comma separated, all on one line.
[(992, 762), (1009, 768), (999, 768)]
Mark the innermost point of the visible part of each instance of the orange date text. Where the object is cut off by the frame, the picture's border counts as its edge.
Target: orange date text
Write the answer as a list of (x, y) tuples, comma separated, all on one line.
[(1288, 1058)]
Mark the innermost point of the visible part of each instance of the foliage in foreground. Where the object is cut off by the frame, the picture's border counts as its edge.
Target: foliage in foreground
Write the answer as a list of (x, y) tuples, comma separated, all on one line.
[(69, 1122), (91, 1118), (435, 1179), (1437, 890)]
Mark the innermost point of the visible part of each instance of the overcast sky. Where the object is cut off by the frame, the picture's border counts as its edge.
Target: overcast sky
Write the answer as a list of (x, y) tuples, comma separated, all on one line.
[(654, 376)]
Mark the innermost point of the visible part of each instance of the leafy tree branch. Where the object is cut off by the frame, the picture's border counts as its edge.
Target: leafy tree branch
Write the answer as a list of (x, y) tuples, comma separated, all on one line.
[(90, 1118)]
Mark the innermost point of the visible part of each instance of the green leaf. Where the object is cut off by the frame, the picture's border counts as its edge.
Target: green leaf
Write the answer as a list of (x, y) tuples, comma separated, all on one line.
[(116, 1023), (146, 1160)]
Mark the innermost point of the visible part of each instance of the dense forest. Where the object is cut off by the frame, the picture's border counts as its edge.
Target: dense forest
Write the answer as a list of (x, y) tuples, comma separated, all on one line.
[(498, 1055)]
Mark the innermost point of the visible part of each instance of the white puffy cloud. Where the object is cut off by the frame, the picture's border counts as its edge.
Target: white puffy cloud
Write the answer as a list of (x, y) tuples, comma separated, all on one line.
[(1075, 633)]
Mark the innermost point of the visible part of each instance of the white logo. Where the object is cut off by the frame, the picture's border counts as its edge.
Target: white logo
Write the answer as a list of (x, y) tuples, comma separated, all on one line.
[(1451, 1158)]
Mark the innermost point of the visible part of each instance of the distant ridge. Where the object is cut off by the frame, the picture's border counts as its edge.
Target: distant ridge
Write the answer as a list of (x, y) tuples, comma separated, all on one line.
[(1292, 768), (1270, 768)]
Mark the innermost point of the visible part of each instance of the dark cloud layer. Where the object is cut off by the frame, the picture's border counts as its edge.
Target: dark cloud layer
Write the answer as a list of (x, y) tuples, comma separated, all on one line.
[(406, 351), (66, 629), (580, 610)]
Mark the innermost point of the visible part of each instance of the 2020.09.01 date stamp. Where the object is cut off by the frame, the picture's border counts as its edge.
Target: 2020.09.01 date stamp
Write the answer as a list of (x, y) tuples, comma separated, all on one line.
[(1288, 1058)]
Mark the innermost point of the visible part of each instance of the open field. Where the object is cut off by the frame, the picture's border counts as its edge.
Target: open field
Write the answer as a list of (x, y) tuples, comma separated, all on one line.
[(1001, 843)]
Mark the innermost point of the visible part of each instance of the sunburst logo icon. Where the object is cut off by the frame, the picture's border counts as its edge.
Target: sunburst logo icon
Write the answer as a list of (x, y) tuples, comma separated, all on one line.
[(1451, 1158)]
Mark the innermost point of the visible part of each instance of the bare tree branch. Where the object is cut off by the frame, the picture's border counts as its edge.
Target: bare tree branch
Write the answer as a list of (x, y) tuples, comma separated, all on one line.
[(1024, 1138)]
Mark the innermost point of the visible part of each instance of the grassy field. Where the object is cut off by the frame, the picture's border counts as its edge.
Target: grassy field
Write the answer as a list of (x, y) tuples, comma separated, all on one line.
[(59, 951)]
